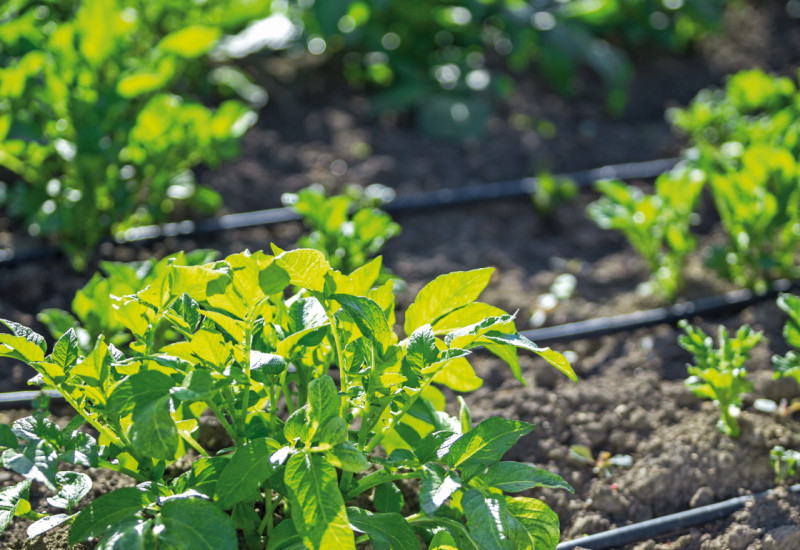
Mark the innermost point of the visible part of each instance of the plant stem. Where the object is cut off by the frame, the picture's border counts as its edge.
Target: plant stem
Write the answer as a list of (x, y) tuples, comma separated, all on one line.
[(193, 443), (224, 421), (378, 437)]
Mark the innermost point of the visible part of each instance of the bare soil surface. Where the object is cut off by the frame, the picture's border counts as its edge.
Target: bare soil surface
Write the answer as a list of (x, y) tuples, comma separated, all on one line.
[(631, 398)]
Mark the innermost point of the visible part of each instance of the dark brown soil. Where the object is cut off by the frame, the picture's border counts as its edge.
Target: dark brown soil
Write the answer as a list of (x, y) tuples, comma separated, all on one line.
[(631, 398)]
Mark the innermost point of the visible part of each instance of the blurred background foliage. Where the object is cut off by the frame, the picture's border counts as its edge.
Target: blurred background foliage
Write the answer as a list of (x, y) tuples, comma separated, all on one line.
[(106, 106)]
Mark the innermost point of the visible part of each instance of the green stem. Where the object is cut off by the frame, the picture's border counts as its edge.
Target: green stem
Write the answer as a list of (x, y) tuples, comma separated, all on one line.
[(274, 391), (269, 507), (193, 443), (287, 396), (340, 359), (395, 419), (224, 421)]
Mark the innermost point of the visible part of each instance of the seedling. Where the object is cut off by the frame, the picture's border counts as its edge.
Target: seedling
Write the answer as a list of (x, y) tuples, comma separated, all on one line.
[(788, 366), (604, 464), (552, 192), (657, 225), (719, 373), (784, 463), (327, 407)]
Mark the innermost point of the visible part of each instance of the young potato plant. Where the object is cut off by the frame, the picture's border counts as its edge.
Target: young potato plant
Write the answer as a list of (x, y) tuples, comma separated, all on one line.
[(784, 462), (756, 203), (90, 131), (788, 366), (719, 373), (657, 225), (93, 305), (326, 407), (350, 228), (551, 192)]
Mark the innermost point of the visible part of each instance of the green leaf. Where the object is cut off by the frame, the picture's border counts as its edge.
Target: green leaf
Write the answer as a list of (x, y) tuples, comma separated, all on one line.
[(242, 477), (369, 318), (386, 531), (153, 431), (36, 461), (134, 534), (513, 477), (263, 365), (196, 386), (549, 355), (190, 42), (306, 268), (388, 498), (9, 498), (273, 279), (317, 506), (323, 401), (347, 457), (442, 540), (105, 512), (492, 527), (285, 537), (194, 524), (7, 437), (445, 294), (538, 519), (73, 487), (137, 391), (26, 333), (421, 351), (487, 442), (67, 350), (458, 375), (438, 485), (45, 524)]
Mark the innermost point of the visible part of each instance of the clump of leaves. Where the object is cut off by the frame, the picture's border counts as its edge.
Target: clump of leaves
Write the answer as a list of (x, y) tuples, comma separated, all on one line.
[(604, 464), (784, 462), (658, 225), (350, 228), (327, 407), (719, 373), (756, 202), (93, 305), (91, 130), (788, 365), (551, 192), (431, 55)]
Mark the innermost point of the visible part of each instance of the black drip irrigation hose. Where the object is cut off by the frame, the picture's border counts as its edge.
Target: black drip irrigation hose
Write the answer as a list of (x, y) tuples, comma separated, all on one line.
[(733, 301), (426, 200), (646, 530)]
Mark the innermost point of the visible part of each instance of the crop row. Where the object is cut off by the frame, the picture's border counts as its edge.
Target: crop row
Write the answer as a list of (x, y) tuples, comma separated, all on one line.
[(103, 104)]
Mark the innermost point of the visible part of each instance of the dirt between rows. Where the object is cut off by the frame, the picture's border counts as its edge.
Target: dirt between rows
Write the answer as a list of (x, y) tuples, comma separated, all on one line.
[(631, 398)]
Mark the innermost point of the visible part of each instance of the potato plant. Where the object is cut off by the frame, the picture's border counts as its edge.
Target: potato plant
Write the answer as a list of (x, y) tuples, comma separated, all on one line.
[(327, 410), (719, 373), (90, 129), (744, 145), (93, 305), (657, 225)]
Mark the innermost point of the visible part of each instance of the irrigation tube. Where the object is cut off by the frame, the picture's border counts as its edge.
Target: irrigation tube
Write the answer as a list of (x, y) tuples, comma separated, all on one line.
[(735, 300), (652, 528), (426, 200)]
